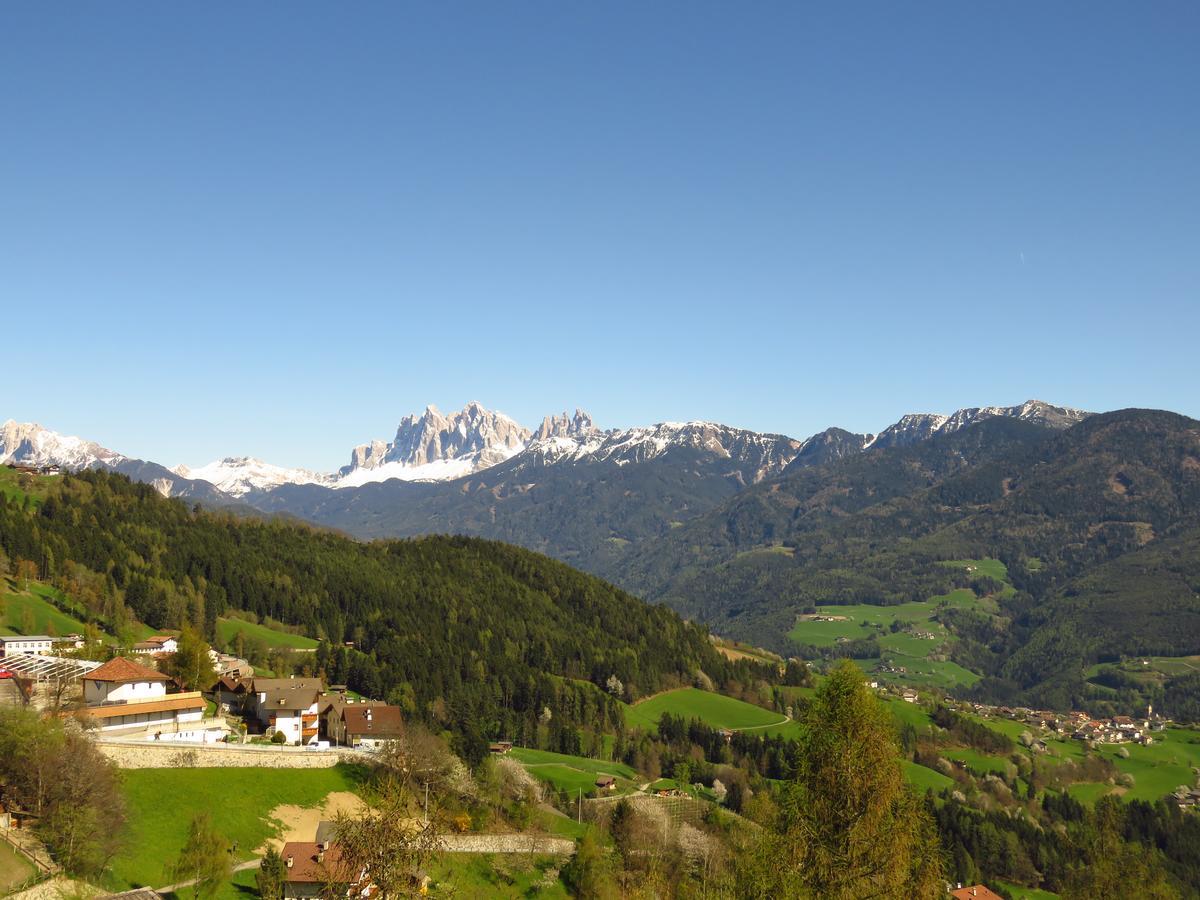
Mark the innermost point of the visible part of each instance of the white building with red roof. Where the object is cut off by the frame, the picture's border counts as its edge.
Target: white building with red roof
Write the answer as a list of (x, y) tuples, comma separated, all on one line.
[(124, 695)]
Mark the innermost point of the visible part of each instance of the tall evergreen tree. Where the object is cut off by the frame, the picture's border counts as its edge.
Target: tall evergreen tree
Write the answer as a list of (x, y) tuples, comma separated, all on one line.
[(848, 824)]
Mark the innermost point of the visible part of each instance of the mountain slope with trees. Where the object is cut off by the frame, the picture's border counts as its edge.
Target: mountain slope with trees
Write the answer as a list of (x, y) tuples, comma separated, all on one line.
[(485, 638), (1097, 526)]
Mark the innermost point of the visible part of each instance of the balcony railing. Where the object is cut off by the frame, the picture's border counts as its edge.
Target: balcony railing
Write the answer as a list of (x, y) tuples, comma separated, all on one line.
[(154, 698)]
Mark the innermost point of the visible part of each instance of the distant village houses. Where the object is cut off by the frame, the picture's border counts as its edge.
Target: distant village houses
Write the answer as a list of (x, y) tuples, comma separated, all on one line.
[(159, 643), (33, 644)]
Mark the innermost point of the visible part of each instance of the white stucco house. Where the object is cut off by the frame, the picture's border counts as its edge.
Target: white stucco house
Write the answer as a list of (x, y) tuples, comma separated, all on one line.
[(122, 694), (159, 643), (289, 706)]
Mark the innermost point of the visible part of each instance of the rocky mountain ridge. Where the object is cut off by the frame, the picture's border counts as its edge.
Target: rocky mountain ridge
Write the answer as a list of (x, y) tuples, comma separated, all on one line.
[(437, 447)]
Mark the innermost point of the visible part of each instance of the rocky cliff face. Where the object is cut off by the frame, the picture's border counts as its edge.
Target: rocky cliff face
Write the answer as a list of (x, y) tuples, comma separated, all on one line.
[(565, 426), (436, 447)]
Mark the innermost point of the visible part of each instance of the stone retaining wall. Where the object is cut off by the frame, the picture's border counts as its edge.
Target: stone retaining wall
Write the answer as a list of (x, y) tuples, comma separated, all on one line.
[(173, 756), (508, 843)]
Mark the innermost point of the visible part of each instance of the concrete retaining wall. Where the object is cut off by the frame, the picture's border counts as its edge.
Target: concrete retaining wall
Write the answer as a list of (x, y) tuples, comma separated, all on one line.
[(147, 755)]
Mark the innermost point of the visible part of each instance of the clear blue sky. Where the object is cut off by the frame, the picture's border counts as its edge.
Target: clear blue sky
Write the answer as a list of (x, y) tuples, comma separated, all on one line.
[(274, 229)]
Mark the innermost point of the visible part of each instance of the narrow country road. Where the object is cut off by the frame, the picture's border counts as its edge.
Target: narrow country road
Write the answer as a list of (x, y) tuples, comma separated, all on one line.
[(240, 867)]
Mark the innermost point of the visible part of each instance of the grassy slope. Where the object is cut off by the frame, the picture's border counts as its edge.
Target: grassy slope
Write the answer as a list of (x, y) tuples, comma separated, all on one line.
[(572, 773), (1026, 893), (14, 868), (10, 482), (716, 710), (227, 631), (161, 803), (923, 779), (1157, 770), (43, 617), (477, 876)]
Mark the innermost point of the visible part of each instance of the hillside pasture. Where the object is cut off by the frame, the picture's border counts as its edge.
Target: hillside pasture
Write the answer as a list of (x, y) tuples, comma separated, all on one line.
[(923, 779), (987, 568), (31, 612), (228, 630), (863, 620), (716, 710), (572, 773)]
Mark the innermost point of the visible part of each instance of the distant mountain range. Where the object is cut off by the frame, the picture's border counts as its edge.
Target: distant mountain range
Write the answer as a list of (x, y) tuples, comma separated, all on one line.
[(589, 496), (434, 447), (1096, 516)]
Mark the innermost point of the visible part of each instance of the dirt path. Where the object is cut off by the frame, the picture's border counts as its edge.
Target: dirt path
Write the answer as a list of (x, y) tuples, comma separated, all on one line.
[(299, 823)]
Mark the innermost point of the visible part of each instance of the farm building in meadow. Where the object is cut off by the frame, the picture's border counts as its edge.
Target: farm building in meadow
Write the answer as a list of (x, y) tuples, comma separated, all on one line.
[(122, 694)]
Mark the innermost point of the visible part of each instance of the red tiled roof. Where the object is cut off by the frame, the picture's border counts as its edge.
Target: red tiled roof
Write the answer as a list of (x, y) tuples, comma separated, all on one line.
[(385, 721), (166, 704), (120, 670), (307, 867), (976, 892)]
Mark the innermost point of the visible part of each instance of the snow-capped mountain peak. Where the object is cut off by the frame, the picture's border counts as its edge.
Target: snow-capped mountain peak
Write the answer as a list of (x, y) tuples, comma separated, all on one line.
[(437, 447), (763, 455), (29, 444), (239, 475)]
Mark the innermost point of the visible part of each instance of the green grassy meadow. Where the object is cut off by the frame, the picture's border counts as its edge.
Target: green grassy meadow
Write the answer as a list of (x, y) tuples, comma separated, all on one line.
[(228, 630), (479, 876), (716, 710), (14, 868), (572, 773), (31, 613), (160, 804), (10, 485), (904, 649), (924, 779), (1018, 892)]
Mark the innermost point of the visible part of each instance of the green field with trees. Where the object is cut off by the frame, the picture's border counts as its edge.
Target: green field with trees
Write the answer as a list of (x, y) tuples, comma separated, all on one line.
[(572, 773)]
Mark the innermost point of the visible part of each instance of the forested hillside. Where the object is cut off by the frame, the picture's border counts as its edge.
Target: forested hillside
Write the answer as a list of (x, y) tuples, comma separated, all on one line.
[(481, 636), (587, 514), (1097, 527)]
